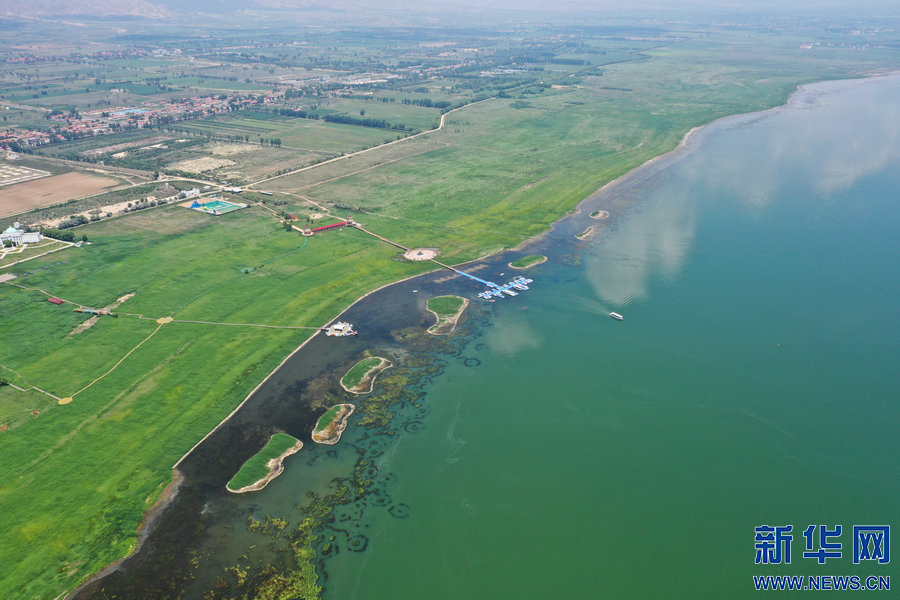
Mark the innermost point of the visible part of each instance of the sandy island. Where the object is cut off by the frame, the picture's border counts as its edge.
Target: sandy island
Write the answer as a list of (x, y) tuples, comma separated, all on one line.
[(276, 468), (534, 263), (586, 233), (331, 434), (600, 215), (447, 323), (368, 381)]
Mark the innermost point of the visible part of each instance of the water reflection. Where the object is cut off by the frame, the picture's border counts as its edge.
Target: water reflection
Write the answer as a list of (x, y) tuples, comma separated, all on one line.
[(649, 244), (656, 241)]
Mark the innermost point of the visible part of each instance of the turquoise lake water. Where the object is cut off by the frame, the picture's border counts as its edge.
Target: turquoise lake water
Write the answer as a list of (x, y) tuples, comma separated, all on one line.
[(754, 381)]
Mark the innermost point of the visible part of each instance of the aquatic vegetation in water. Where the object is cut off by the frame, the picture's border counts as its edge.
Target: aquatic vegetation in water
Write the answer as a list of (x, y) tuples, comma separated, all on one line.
[(333, 522)]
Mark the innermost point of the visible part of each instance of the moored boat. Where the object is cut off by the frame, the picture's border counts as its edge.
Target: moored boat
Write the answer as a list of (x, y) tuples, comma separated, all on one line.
[(340, 329)]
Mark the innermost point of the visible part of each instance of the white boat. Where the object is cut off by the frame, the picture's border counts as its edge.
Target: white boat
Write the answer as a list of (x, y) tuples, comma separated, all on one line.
[(617, 316), (340, 329), (510, 292)]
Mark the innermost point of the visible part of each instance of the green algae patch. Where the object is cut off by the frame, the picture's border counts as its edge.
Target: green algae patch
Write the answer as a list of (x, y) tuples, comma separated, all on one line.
[(332, 424), (361, 377), (528, 261), (265, 465), (447, 310)]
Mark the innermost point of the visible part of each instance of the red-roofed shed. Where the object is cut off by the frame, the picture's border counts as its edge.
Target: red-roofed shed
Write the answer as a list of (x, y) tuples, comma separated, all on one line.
[(54, 300)]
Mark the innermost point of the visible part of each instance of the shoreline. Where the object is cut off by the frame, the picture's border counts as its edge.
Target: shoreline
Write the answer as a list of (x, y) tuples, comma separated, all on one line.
[(276, 468), (636, 175), (378, 369)]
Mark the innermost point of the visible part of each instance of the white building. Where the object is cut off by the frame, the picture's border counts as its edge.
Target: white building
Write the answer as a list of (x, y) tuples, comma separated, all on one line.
[(17, 237)]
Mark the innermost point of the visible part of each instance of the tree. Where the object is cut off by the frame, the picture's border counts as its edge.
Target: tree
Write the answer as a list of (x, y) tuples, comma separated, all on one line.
[(84, 237)]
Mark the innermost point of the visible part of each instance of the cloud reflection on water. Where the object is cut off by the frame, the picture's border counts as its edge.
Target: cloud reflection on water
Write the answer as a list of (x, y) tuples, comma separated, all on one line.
[(655, 241), (651, 243)]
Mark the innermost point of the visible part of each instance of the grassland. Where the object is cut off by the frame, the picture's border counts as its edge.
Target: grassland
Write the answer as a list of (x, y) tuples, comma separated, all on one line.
[(257, 468), (498, 173), (14, 255)]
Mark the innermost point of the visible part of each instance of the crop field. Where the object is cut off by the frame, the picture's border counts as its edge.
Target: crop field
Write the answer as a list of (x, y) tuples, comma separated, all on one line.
[(127, 193), (398, 114), (295, 133), (11, 174), (47, 191)]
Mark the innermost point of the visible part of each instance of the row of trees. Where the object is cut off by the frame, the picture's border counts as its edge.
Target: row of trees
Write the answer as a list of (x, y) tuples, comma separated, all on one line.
[(346, 119)]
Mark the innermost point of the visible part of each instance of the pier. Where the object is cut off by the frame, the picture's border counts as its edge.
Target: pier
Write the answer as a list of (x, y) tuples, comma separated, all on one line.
[(493, 291)]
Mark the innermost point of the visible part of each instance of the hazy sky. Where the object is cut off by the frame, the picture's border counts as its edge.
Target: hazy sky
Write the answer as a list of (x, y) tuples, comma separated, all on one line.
[(11, 7)]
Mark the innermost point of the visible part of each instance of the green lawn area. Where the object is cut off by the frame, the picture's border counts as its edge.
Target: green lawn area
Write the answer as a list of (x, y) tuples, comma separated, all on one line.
[(355, 375), (445, 306), (255, 468)]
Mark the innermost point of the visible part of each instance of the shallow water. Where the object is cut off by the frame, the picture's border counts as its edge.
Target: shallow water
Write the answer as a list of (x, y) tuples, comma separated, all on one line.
[(550, 451)]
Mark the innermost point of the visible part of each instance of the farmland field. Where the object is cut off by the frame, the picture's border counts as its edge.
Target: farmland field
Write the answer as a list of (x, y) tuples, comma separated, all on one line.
[(297, 133), (47, 191)]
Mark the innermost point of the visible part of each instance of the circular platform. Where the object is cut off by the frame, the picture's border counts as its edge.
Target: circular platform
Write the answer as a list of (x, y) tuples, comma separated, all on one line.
[(419, 254)]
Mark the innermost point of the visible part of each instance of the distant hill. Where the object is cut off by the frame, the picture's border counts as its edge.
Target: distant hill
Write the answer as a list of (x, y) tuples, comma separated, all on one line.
[(96, 8), (161, 9)]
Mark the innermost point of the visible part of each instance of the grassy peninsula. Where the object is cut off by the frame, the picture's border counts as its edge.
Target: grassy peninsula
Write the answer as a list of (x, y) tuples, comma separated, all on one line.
[(447, 310)]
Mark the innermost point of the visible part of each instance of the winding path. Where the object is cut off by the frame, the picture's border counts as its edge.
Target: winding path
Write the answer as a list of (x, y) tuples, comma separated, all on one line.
[(358, 152)]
